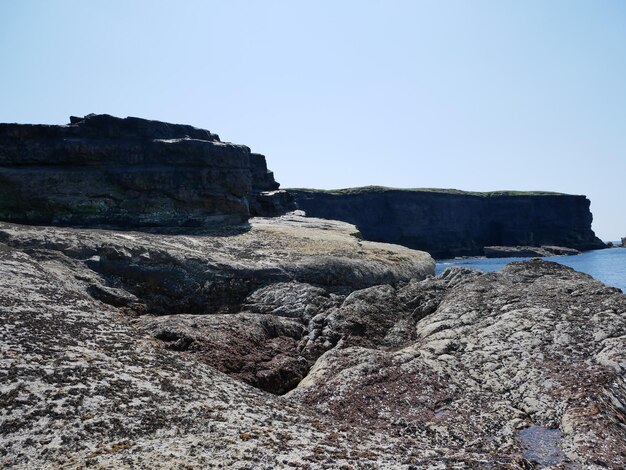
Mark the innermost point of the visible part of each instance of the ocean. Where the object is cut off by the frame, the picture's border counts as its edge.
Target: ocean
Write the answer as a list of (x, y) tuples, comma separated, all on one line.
[(608, 266)]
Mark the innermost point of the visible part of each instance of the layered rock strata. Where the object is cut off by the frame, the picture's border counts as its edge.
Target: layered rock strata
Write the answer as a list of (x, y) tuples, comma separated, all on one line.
[(449, 223), (103, 170), (114, 347)]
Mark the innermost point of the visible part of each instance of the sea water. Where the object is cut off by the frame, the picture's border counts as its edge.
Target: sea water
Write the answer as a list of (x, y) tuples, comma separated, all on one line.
[(608, 265)]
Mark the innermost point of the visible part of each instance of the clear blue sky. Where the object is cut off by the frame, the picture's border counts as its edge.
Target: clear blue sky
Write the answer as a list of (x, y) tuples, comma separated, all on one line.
[(475, 95)]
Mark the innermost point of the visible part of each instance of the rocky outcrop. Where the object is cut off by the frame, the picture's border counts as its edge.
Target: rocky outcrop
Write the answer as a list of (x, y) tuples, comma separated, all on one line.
[(284, 341), (527, 361), (449, 223), (221, 273), (81, 387), (103, 170), (527, 251), (133, 350)]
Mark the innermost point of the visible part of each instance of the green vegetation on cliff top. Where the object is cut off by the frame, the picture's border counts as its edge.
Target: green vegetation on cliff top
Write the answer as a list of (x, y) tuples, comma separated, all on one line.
[(376, 189)]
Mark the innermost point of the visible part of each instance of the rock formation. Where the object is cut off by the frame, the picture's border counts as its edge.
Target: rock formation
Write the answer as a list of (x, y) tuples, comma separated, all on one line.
[(289, 341), (103, 170), (527, 251), (112, 345), (449, 223)]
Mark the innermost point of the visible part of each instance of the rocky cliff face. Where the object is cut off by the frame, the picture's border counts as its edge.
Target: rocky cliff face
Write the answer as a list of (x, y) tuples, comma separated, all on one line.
[(103, 170), (449, 223)]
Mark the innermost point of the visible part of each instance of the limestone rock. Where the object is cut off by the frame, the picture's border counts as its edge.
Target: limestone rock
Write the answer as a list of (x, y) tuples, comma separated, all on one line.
[(81, 386), (536, 346), (154, 350), (213, 271)]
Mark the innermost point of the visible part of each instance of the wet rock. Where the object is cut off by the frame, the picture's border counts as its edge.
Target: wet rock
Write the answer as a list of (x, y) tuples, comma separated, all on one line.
[(527, 251), (542, 446)]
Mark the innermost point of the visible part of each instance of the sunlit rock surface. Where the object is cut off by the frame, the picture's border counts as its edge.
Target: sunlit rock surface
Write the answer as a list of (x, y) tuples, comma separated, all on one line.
[(291, 342)]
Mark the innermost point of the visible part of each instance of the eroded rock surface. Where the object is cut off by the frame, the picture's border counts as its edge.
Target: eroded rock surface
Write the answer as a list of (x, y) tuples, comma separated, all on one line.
[(81, 387), (257, 279), (146, 350), (534, 345)]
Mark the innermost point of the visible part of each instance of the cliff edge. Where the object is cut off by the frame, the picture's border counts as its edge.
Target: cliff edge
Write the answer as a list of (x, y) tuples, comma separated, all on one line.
[(449, 223), (131, 172)]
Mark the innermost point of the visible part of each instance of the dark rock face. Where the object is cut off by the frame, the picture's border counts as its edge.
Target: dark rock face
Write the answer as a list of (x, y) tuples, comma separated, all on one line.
[(455, 223), (103, 170)]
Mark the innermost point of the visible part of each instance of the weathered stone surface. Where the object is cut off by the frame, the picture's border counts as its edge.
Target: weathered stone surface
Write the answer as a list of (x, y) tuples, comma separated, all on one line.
[(214, 271), (449, 223), (258, 269), (112, 343), (81, 387), (527, 251), (536, 345), (103, 170)]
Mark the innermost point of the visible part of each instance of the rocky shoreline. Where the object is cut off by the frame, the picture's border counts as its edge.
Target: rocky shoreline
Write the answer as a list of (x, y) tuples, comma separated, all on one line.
[(238, 341), (130, 349), (527, 251)]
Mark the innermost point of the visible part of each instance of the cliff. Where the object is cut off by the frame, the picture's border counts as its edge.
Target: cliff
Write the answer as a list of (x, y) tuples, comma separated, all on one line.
[(283, 342), (449, 223), (103, 170)]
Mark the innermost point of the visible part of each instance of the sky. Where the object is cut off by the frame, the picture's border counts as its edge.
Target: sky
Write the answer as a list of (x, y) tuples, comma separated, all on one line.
[(474, 95)]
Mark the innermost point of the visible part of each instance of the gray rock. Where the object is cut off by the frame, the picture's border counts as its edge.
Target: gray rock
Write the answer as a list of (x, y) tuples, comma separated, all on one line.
[(536, 345), (81, 385), (215, 271), (137, 350), (527, 251)]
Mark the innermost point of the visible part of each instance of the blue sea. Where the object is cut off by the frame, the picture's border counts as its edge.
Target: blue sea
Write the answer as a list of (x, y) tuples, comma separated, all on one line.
[(608, 266)]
